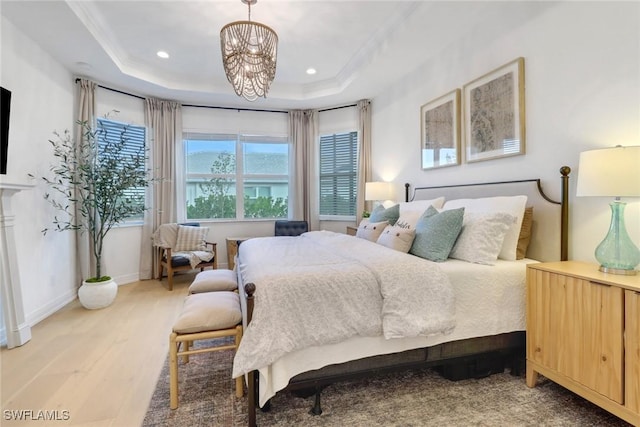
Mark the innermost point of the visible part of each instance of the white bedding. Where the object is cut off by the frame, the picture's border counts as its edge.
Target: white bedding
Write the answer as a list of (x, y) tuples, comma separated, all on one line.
[(489, 300), (324, 287)]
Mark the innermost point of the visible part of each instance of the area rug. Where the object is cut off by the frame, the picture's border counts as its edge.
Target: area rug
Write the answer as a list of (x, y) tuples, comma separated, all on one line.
[(412, 398)]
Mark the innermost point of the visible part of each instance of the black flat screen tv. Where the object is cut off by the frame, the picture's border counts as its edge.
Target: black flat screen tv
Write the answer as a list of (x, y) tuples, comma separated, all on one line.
[(5, 109)]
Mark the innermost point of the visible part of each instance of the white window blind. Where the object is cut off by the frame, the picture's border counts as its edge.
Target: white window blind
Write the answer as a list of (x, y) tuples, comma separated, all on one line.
[(338, 174), (133, 139)]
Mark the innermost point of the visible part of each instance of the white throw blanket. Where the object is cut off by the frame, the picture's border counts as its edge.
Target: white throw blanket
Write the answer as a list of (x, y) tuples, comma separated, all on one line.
[(323, 287), (165, 237)]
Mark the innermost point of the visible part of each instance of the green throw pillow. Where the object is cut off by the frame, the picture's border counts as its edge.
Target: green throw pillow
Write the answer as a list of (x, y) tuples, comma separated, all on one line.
[(436, 233), (390, 215)]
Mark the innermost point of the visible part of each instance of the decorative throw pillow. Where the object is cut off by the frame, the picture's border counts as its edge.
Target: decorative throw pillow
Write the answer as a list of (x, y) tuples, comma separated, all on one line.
[(525, 233), (436, 233), (513, 205), (381, 214), (397, 238), (191, 238), (481, 237), (410, 212), (214, 281), (364, 221), (421, 205), (371, 230), (408, 220)]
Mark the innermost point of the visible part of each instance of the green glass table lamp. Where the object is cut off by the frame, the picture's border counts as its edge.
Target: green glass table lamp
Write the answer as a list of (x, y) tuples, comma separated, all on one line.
[(613, 172)]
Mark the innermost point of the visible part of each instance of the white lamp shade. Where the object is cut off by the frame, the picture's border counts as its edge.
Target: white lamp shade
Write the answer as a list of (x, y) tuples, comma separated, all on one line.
[(609, 172), (377, 190)]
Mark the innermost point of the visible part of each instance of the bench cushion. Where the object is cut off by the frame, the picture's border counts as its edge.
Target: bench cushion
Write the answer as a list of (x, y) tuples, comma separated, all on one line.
[(214, 281), (209, 311)]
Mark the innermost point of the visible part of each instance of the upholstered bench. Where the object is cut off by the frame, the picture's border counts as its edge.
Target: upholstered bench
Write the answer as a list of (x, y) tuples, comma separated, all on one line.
[(204, 316), (214, 281)]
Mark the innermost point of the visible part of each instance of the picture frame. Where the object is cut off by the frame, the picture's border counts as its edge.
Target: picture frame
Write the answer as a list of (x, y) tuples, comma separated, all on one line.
[(494, 114), (440, 131)]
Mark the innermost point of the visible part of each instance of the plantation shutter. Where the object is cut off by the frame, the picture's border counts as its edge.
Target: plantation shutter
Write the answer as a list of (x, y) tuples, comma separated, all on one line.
[(135, 143), (338, 174)]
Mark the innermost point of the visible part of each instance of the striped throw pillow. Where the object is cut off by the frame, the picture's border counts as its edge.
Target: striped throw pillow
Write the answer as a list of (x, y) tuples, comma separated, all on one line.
[(191, 238)]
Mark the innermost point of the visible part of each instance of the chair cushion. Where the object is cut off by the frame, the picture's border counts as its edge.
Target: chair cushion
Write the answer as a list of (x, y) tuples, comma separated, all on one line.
[(179, 261), (214, 281), (209, 311), (191, 238)]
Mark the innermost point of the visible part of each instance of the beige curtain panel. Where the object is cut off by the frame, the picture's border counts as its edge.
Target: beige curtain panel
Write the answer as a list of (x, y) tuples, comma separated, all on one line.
[(163, 120)]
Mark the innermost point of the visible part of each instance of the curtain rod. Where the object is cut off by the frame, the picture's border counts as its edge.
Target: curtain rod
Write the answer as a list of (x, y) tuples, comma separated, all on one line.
[(337, 108), (190, 105), (219, 108)]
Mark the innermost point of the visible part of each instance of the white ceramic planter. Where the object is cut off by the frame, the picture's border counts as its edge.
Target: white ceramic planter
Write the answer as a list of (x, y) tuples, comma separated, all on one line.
[(97, 295)]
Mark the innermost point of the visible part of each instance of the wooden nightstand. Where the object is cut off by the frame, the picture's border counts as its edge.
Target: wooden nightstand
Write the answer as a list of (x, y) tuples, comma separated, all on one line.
[(583, 332), (351, 231), (232, 250)]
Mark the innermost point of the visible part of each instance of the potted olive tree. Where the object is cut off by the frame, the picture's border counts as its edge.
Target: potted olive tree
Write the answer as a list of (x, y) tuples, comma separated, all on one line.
[(91, 185)]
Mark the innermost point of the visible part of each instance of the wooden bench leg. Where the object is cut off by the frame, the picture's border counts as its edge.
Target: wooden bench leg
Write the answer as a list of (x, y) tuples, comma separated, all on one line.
[(173, 370), (239, 386), (187, 346)]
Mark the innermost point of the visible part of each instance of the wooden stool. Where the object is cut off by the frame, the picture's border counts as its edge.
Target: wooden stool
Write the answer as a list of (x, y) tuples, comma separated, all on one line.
[(204, 316), (214, 281)]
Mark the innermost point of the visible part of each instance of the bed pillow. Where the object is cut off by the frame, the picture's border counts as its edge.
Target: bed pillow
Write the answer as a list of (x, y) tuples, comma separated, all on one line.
[(436, 233), (381, 214), (191, 238), (481, 237), (397, 238), (410, 212), (371, 230), (525, 233), (513, 205)]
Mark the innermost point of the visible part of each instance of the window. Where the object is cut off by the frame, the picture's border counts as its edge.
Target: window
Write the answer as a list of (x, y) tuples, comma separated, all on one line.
[(125, 144), (338, 174), (236, 176)]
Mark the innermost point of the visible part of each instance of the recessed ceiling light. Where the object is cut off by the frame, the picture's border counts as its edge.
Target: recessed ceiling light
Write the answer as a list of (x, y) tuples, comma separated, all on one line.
[(162, 54), (311, 71), (83, 66)]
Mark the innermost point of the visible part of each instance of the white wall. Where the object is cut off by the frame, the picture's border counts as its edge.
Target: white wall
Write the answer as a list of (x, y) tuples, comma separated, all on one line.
[(42, 101), (582, 67), (582, 62), (121, 251)]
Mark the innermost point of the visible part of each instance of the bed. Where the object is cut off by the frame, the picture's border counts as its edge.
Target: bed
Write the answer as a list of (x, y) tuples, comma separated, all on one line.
[(476, 322)]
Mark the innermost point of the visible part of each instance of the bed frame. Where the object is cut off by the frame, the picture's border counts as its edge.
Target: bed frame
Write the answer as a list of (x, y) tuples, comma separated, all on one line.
[(474, 357)]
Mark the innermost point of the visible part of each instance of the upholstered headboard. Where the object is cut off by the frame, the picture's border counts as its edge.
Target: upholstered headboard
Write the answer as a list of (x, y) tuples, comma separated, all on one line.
[(549, 234)]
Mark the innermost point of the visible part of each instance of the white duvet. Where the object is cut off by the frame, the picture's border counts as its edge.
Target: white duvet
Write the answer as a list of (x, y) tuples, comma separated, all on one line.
[(323, 288)]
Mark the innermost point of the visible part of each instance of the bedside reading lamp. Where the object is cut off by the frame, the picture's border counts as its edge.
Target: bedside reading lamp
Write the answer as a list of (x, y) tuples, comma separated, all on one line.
[(613, 172), (377, 191)]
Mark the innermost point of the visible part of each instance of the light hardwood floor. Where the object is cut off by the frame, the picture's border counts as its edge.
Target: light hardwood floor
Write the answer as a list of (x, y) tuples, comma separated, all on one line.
[(95, 367)]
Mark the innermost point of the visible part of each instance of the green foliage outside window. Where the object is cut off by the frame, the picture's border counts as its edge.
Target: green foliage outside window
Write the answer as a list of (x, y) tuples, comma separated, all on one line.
[(217, 202)]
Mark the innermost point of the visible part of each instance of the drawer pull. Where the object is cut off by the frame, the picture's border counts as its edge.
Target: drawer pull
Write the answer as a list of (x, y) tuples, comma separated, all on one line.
[(600, 284), (604, 358)]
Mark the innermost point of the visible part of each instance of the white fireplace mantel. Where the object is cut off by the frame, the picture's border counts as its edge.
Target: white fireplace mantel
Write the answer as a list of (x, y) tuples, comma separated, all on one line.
[(17, 330)]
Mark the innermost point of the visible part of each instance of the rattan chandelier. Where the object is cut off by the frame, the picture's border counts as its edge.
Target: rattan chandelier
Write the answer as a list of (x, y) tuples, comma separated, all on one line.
[(249, 53)]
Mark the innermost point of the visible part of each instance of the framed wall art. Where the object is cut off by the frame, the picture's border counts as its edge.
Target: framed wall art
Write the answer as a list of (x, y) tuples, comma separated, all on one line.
[(440, 131), (494, 116)]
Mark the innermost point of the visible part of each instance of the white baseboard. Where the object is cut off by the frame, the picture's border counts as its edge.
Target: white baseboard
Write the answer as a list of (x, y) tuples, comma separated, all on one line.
[(126, 278), (47, 310), (50, 308)]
